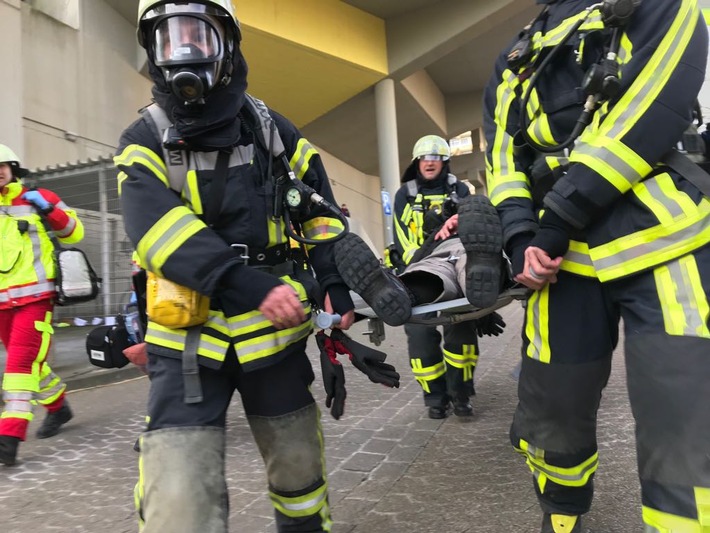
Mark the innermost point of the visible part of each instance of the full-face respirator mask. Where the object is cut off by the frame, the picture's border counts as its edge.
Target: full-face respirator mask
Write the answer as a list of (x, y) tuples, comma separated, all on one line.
[(190, 45)]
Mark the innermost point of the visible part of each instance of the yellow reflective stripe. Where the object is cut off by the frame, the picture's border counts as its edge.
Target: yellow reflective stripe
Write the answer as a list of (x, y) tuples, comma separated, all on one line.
[(209, 346), (612, 159), (578, 261), (659, 522), (668, 187), (702, 497), (298, 506), (14, 414), (509, 186), (502, 161), (166, 236), (137, 154), (425, 374), (122, 176), (537, 327), (21, 382), (683, 301), (555, 35), (645, 89), (301, 157), (266, 345), (322, 228), (652, 246), (191, 193), (574, 476), (465, 362), (277, 231), (539, 129)]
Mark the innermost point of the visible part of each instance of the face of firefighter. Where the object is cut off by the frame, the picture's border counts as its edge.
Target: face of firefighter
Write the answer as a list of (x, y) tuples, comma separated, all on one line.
[(5, 174), (430, 167)]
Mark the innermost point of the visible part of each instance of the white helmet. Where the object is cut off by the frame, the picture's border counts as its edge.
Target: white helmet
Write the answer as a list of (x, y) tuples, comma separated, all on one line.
[(9, 157), (431, 145)]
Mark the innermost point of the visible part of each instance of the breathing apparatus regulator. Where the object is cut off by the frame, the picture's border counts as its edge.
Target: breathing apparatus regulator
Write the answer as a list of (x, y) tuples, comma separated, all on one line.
[(600, 83), (192, 43), (293, 199)]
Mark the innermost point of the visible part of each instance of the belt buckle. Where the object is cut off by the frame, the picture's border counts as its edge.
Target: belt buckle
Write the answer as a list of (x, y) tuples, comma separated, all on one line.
[(244, 251)]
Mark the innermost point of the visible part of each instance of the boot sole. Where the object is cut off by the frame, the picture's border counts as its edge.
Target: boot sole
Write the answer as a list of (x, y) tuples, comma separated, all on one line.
[(481, 234), (362, 272)]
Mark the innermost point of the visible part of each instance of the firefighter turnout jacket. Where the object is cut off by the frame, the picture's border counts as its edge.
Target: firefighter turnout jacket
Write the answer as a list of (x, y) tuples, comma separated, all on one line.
[(27, 265), (173, 240), (626, 211), (414, 200)]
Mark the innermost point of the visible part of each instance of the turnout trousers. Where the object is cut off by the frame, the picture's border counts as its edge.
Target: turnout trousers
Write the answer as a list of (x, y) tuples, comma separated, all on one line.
[(26, 333), (183, 487), (569, 333), (443, 374)]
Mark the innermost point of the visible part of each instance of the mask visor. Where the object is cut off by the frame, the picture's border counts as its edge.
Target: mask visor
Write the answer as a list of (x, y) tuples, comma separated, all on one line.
[(186, 39)]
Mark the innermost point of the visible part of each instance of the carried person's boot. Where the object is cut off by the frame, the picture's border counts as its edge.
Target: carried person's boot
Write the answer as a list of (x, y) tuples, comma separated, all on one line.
[(8, 449), (481, 234), (53, 421), (561, 523), (378, 286)]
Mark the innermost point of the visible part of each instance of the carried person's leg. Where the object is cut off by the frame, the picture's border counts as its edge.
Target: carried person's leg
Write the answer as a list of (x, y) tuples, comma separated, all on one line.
[(285, 422), (566, 360), (667, 347)]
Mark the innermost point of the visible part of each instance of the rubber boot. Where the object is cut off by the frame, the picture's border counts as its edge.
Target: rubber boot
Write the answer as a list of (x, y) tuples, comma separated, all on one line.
[(462, 406), (561, 523), (183, 482), (481, 234), (436, 412), (53, 421), (364, 274), (8, 449)]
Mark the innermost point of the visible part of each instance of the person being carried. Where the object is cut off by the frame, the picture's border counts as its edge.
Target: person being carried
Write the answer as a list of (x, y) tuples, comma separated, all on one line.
[(27, 291), (437, 269)]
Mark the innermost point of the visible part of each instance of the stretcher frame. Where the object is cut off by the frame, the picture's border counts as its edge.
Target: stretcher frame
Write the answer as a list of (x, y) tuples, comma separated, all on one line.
[(447, 313)]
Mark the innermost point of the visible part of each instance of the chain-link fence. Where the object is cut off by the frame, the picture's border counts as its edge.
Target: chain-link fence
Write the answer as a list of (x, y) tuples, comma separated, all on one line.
[(91, 189)]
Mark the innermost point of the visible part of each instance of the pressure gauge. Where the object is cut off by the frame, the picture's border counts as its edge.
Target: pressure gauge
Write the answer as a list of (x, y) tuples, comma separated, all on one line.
[(293, 197)]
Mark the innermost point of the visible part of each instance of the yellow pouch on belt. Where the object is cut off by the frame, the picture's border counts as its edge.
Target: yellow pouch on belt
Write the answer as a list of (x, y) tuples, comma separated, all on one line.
[(174, 306)]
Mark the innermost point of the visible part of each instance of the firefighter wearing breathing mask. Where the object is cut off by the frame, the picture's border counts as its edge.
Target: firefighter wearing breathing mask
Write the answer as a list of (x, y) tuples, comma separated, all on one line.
[(214, 232), (579, 116)]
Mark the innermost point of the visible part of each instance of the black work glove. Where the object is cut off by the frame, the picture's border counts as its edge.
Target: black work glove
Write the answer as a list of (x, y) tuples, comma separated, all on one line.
[(491, 324), (553, 235), (367, 360), (333, 376)]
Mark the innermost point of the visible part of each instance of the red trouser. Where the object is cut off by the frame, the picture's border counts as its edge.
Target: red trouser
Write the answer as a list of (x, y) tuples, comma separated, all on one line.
[(26, 333)]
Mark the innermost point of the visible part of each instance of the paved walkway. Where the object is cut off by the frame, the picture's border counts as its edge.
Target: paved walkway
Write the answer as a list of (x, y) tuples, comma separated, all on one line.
[(391, 469)]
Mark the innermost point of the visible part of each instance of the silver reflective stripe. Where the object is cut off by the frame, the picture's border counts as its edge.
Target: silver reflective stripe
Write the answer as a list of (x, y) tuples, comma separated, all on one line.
[(20, 210), (430, 372), (533, 313), (649, 248), (687, 298), (24, 396), (179, 224), (67, 230), (246, 349), (579, 258), (29, 290), (265, 123), (604, 155), (38, 265), (313, 503), (503, 141), (655, 191), (18, 406)]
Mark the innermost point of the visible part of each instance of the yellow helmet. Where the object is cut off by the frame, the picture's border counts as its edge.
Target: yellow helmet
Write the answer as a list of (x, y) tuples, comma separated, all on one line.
[(431, 145), (9, 157)]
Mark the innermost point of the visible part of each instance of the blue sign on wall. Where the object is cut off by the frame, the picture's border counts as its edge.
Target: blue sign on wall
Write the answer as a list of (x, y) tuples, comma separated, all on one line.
[(386, 205)]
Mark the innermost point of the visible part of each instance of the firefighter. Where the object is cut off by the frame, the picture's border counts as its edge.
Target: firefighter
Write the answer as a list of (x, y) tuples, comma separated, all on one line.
[(430, 195), (218, 233), (27, 275), (578, 116)]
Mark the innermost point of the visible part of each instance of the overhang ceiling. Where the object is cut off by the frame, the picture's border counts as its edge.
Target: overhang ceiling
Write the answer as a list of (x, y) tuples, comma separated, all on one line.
[(306, 62)]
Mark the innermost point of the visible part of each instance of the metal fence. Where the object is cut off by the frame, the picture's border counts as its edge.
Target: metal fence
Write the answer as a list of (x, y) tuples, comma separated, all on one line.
[(91, 188)]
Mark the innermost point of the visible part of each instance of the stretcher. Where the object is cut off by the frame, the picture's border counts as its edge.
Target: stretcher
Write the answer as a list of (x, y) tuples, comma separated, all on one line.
[(435, 314)]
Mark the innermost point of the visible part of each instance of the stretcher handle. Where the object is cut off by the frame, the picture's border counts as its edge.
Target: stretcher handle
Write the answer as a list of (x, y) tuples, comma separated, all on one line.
[(326, 320)]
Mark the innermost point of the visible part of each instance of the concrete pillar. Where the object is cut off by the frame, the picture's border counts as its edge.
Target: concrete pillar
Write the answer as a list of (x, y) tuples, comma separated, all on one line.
[(387, 146), (11, 61)]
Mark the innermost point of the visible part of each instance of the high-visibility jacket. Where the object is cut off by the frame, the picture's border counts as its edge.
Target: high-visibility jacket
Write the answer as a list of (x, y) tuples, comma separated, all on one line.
[(411, 204), (630, 213), (27, 267), (173, 241)]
